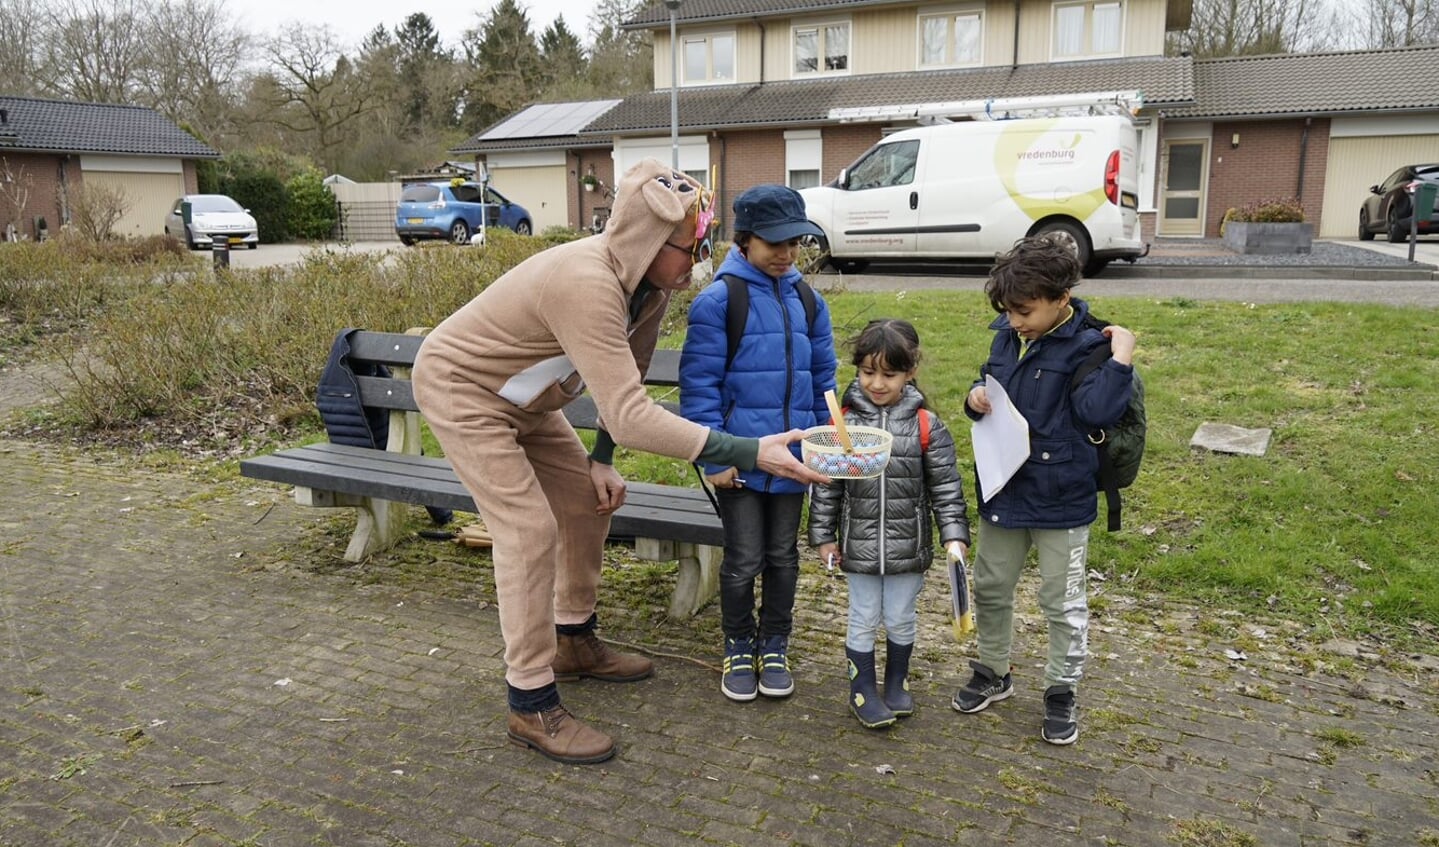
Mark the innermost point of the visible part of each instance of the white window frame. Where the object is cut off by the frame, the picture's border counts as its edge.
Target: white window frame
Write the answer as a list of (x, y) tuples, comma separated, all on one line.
[(821, 57), (1087, 37), (949, 17), (707, 38)]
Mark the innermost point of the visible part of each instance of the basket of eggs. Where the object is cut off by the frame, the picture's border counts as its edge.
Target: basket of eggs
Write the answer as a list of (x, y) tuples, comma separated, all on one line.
[(845, 452)]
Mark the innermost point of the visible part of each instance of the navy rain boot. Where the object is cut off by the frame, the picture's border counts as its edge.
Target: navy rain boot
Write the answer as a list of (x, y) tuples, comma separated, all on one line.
[(864, 699), (896, 679)]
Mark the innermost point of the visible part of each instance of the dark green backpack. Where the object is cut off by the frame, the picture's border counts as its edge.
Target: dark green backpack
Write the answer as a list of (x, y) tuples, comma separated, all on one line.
[(1121, 446)]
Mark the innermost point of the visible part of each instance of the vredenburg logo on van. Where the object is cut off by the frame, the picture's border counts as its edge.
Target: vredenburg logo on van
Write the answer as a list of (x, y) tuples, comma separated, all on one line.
[(1059, 152), (1046, 155)]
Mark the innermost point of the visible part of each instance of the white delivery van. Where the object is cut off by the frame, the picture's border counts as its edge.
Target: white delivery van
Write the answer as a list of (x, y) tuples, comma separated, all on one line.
[(969, 190)]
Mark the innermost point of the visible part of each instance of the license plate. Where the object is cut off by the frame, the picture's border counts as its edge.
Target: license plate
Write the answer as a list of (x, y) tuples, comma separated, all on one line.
[(236, 240), (415, 220)]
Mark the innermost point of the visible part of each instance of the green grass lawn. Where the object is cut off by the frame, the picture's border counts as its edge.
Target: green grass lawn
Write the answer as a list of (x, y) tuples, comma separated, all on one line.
[(1334, 525)]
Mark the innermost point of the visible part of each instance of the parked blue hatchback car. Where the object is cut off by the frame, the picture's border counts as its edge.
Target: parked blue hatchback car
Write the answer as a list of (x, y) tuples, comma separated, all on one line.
[(452, 210)]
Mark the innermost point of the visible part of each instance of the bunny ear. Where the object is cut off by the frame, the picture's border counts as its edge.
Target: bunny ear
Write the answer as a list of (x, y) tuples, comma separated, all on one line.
[(664, 202)]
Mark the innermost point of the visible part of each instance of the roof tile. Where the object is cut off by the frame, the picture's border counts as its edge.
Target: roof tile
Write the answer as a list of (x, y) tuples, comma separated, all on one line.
[(1163, 81), (63, 126), (701, 11), (1368, 81)]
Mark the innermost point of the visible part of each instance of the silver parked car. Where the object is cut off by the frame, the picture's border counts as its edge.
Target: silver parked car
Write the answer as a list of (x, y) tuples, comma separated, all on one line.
[(211, 216)]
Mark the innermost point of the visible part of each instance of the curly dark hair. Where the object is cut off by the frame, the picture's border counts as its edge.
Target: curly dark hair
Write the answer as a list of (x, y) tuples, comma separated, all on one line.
[(1040, 267)]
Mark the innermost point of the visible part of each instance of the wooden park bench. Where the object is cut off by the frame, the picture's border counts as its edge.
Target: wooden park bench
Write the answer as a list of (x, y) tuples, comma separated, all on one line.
[(666, 522)]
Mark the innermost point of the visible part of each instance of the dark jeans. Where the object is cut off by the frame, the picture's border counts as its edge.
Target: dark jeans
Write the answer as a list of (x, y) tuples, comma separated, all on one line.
[(761, 541)]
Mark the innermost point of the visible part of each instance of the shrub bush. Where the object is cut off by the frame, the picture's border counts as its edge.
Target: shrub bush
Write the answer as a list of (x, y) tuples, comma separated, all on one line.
[(311, 208), (95, 208), (1273, 211), (254, 346)]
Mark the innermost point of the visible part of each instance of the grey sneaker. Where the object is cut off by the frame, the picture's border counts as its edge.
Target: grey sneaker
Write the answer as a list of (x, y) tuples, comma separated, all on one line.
[(1061, 720), (774, 675), (982, 689), (738, 682)]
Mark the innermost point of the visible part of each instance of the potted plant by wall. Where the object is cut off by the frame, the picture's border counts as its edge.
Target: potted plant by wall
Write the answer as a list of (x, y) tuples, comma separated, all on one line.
[(1268, 227), (590, 182)]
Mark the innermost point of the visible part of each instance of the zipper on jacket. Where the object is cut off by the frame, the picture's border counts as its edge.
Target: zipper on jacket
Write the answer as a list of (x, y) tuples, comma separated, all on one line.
[(788, 365), (883, 497)]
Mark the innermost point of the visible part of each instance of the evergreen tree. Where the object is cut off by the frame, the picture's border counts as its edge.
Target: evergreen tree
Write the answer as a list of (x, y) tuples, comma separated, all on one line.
[(503, 68), (564, 67), (621, 61)]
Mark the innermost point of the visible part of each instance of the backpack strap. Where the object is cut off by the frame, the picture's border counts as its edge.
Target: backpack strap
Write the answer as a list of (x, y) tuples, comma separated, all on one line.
[(737, 311), (923, 428), (1108, 477)]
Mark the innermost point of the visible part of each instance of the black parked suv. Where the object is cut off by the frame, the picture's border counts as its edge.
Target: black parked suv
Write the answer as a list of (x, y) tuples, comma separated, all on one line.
[(1389, 205)]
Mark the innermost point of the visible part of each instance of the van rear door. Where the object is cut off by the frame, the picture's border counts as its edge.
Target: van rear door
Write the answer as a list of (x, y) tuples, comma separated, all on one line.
[(876, 209)]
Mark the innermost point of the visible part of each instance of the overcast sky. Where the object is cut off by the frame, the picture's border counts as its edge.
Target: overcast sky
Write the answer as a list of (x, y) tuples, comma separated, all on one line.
[(352, 20)]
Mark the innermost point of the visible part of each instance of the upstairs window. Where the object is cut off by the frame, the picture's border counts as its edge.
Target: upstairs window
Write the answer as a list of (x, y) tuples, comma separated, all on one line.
[(821, 49), (1087, 30), (950, 40), (708, 58)]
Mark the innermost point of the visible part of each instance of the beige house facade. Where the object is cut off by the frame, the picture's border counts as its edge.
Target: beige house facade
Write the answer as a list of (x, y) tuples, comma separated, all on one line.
[(791, 91)]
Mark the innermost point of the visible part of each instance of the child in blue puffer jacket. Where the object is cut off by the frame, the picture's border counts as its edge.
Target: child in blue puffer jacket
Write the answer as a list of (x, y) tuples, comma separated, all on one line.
[(776, 381)]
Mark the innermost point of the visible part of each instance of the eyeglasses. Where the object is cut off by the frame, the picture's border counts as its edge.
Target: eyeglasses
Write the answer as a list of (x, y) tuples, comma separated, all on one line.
[(700, 252)]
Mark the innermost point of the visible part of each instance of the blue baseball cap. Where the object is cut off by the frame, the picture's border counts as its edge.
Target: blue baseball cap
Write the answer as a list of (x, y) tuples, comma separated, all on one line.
[(774, 213)]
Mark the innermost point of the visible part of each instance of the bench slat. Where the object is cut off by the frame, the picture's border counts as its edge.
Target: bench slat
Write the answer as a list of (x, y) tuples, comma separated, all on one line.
[(387, 393), (388, 348), (582, 413), (664, 368), (650, 511)]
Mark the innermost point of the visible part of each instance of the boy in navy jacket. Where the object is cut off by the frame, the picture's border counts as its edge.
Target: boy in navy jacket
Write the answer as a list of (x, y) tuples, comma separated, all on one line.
[(1049, 503)]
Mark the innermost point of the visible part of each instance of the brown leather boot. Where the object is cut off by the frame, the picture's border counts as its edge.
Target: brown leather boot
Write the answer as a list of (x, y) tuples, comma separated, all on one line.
[(561, 736), (585, 655)]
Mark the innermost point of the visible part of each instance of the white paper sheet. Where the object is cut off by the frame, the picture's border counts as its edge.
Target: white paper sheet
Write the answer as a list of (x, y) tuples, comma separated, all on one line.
[(1001, 441)]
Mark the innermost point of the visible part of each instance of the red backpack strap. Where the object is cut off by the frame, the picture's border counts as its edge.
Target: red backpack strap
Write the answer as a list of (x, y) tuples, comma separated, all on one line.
[(923, 427)]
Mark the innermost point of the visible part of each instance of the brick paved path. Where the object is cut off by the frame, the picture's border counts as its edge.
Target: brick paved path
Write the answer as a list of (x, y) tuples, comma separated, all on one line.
[(184, 662)]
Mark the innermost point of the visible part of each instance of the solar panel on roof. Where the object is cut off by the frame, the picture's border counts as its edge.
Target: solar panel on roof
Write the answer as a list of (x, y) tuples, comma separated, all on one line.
[(549, 119)]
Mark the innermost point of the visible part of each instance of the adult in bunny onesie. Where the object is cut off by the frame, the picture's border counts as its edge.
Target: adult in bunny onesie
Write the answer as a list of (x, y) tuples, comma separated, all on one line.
[(491, 381)]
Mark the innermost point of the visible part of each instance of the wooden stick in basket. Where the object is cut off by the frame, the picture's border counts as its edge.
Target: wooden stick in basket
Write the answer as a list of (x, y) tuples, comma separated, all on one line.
[(838, 414)]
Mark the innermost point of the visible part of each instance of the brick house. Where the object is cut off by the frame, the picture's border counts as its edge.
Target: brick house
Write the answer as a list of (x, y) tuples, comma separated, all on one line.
[(49, 148), (760, 84)]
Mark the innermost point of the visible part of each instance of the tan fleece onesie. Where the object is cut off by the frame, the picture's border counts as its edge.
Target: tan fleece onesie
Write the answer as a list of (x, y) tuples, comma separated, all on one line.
[(493, 376)]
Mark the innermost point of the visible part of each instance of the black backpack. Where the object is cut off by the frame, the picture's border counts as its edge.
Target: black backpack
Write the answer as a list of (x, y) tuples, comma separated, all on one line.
[(738, 311), (1121, 446)]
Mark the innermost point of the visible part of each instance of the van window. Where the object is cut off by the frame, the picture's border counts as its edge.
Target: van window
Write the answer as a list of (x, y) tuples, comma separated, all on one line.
[(885, 165)]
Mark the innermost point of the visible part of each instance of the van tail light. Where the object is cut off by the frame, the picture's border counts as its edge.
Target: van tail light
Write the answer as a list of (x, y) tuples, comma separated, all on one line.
[(1111, 178)]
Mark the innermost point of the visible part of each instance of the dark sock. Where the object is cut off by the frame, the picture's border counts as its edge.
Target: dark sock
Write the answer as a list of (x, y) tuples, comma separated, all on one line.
[(535, 699), (578, 628)]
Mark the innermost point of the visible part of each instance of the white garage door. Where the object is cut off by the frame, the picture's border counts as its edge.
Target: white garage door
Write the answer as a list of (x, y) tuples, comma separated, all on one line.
[(148, 197), (1355, 163), (540, 189), (535, 179)]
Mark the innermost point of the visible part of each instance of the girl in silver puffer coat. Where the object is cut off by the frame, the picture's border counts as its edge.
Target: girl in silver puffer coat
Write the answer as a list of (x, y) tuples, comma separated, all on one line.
[(880, 531)]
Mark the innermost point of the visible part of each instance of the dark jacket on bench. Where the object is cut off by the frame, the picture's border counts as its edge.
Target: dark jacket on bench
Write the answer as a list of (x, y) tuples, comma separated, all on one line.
[(346, 419), (343, 411)]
